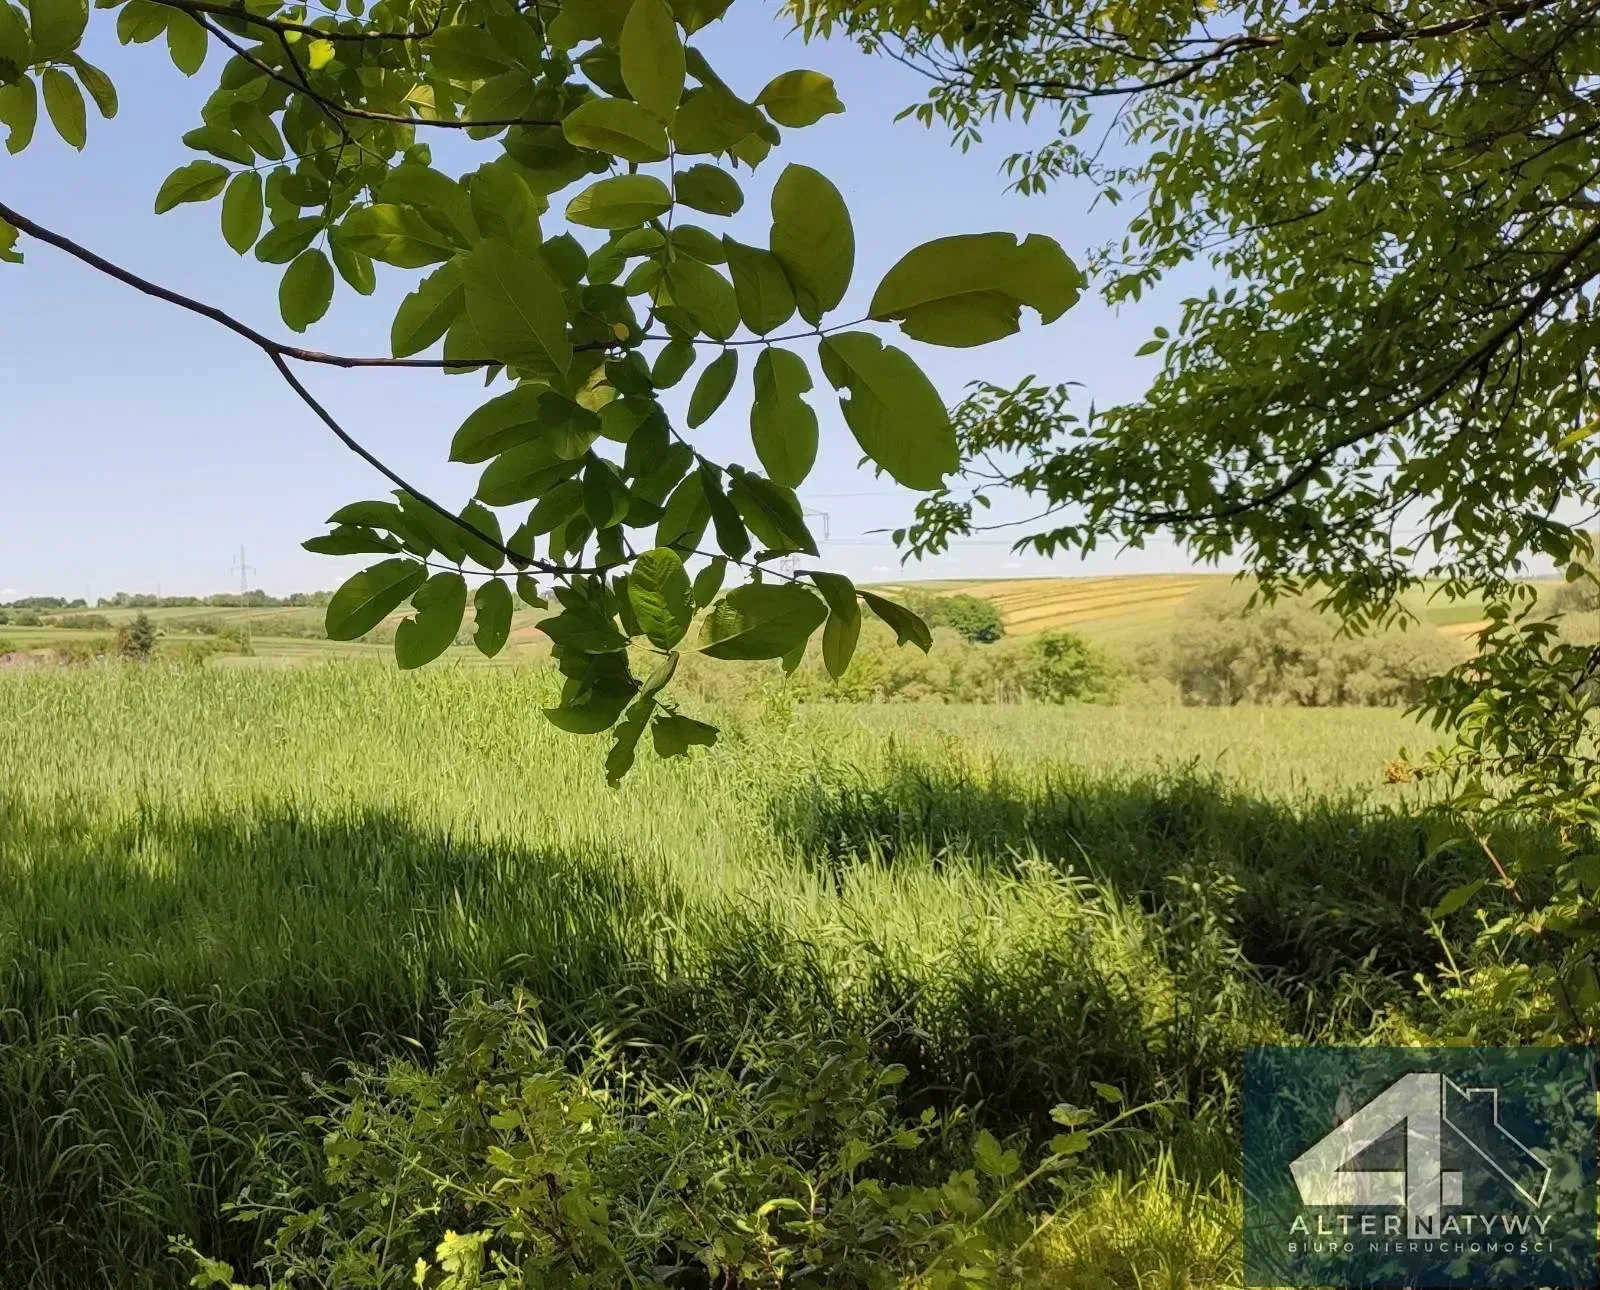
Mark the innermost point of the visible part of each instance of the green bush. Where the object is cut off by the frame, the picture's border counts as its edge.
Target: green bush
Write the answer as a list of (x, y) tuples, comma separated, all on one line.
[(136, 640), (1288, 653), (514, 1163), (973, 619), (1052, 667)]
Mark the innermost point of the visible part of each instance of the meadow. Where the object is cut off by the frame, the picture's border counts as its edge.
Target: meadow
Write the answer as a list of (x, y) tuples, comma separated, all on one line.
[(221, 885)]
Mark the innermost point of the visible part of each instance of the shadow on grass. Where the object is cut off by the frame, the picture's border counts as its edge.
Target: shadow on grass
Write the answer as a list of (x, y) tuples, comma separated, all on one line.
[(1310, 890), (171, 986)]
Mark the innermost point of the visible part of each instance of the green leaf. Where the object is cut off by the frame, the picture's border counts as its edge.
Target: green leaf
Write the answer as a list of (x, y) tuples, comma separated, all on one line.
[(709, 580), (839, 637), (691, 239), (503, 423), (1107, 1092), (347, 539), (242, 211), (285, 241), (16, 47), (445, 204), (761, 620), (8, 244), (732, 537), (355, 268), (695, 14), (799, 98), (893, 410), (685, 516), (715, 120), (492, 608), (813, 239), (257, 129), (908, 627), (63, 100), (1455, 899), (306, 290), (584, 626), (141, 22), (186, 42), (220, 143), (713, 386), (625, 741), (486, 551), (199, 181), (439, 532), (441, 603), (672, 363), (617, 127), (622, 202), (662, 598), (771, 512), (1069, 1144), (528, 592), (593, 704), (19, 112), (969, 290), (588, 20), (766, 300), (783, 425), (705, 295), (319, 53), (426, 313), (396, 235), (517, 310), (838, 591), (372, 595), (525, 472), (652, 57), (708, 188), (992, 1159), (503, 205), (57, 27), (674, 735), (99, 85)]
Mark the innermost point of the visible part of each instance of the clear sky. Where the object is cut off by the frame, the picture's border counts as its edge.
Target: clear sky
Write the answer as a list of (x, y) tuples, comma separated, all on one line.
[(142, 446)]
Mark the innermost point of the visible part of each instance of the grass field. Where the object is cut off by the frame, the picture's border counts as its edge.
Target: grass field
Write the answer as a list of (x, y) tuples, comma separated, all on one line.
[(1119, 612), (218, 882)]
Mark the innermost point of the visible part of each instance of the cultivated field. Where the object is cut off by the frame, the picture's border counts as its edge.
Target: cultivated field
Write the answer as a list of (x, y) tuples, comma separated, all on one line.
[(1127, 610), (217, 883)]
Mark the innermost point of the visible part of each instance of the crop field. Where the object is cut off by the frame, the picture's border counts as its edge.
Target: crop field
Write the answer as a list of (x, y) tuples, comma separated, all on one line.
[(1127, 610), (222, 885)]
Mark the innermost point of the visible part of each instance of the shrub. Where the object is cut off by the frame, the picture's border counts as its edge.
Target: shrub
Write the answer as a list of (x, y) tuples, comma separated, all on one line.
[(84, 622), (1289, 653), (136, 640), (972, 618), (516, 1164)]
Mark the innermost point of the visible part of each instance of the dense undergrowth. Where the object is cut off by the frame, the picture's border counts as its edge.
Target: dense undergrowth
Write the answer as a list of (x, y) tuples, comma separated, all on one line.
[(224, 895)]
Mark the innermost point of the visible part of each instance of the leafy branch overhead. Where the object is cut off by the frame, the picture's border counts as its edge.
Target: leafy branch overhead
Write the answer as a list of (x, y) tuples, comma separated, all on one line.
[(567, 268)]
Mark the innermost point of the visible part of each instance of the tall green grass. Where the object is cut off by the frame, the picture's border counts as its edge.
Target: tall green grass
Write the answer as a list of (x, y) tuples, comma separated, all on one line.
[(214, 884)]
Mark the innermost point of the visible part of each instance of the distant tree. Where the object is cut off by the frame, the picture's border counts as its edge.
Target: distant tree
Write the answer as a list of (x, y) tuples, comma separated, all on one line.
[(974, 618), (136, 640)]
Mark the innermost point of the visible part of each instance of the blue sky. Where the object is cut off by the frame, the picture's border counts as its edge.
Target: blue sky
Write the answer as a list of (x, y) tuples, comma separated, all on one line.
[(142, 446)]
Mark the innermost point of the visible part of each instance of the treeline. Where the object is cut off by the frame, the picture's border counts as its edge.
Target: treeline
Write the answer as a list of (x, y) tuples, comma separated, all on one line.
[(223, 600)]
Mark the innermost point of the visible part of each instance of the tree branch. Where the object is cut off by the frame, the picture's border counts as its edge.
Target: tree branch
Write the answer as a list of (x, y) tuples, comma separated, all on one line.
[(280, 353), (335, 107), (282, 25)]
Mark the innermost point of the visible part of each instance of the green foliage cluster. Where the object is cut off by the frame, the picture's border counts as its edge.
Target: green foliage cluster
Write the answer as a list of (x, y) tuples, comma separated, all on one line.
[(81, 622), (136, 640), (21, 617), (512, 1162), (1227, 652), (312, 141), (1048, 667), (973, 618)]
